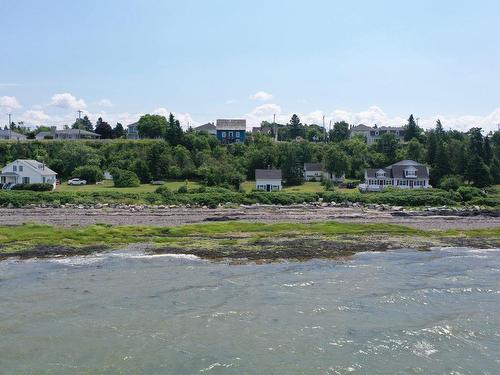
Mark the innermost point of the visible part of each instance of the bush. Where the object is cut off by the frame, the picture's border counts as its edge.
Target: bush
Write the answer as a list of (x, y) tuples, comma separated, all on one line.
[(89, 173), (451, 182), (33, 187), (469, 192), (182, 189), (124, 178), (164, 191)]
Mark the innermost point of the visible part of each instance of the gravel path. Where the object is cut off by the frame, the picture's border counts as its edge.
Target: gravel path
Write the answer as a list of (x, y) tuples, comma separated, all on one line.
[(179, 216)]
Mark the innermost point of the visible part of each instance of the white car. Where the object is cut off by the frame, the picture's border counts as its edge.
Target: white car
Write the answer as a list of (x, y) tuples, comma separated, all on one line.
[(77, 181)]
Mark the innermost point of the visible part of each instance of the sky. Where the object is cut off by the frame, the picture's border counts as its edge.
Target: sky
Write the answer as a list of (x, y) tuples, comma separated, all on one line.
[(371, 62)]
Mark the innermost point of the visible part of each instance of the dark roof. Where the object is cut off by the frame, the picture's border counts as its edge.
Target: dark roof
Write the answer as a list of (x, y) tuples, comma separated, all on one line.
[(268, 174), (361, 128), (313, 167), (397, 170), (207, 127)]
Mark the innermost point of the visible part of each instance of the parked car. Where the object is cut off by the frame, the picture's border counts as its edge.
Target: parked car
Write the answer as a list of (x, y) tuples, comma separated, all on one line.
[(77, 181)]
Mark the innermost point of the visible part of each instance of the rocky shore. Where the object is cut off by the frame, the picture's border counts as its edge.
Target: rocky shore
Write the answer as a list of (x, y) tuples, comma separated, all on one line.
[(442, 218)]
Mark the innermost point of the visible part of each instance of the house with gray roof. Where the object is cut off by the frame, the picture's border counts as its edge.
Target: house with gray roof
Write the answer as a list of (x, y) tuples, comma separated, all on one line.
[(133, 131), (67, 134), (316, 172), (406, 174), (231, 130), (26, 171), (9, 135), (373, 134), (268, 179), (208, 128)]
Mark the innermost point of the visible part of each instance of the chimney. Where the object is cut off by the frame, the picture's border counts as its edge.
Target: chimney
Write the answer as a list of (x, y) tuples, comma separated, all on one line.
[(53, 132)]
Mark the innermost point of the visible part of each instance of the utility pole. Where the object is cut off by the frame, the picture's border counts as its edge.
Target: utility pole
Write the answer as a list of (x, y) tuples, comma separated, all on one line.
[(10, 119), (79, 114), (324, 128), (275, 128)]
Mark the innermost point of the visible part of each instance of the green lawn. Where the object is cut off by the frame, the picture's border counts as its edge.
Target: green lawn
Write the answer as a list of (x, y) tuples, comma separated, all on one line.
[(307, 187), (108, 186)]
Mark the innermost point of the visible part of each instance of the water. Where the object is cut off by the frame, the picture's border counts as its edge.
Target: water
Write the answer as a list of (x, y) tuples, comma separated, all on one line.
[(399, 312)]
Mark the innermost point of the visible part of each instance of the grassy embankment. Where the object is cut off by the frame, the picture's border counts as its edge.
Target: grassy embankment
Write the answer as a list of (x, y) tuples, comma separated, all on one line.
[(236, 239)]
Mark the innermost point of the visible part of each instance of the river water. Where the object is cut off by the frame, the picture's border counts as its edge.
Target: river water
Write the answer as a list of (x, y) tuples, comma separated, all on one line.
[(398, 312)]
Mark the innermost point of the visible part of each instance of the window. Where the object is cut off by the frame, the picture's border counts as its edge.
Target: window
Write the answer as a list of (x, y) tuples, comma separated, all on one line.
[(21, 168), (26, 180), (14, 168), (410, 173), (237, 134), (223, 134), (380, 174), (230, 134)]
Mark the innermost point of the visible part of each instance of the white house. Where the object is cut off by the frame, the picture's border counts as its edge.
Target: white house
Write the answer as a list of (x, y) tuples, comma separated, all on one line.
[(373, 134), (9, 135), (268, 179), (24, 171), (406, 174), (67, 134), (315, 171)]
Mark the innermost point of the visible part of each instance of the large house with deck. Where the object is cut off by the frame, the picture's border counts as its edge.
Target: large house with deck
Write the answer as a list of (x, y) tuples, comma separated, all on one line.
[(373, 134), (406, 174), (25, 171), (67, 134)]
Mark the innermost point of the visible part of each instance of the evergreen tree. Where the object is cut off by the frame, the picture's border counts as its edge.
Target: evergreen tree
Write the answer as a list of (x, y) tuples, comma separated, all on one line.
[(432, 144), (476, 142), (477, 172), (411, 129), (118, 131), (104, 129), (441, 166), (388, 145), (296, 128), (174, 131), (487, 151)]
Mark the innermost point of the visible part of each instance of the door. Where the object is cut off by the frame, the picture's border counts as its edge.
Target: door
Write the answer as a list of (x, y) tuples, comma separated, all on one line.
[(268, 187)]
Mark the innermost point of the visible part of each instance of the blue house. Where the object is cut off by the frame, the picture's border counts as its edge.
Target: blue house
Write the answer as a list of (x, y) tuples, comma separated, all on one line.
[(231, 131)]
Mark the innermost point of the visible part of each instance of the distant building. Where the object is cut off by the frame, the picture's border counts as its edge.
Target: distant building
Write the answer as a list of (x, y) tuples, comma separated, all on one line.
[(25, 171), (315, 171), (208, 128), (268, 179), (9, 135), (373, 134), (133, 131), (406, 174), (231, 131), (67, 134), (262, 130)]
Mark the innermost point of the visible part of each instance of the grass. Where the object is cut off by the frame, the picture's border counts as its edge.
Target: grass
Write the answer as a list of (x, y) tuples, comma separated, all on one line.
[(306, 187), (18, 239), (107, 185)]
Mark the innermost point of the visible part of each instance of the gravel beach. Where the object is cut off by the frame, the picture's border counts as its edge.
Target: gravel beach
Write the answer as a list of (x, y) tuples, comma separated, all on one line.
[(264, 214)]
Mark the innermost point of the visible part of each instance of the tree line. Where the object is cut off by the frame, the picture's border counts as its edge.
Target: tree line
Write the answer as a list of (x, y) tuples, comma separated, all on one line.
[(454, 157)]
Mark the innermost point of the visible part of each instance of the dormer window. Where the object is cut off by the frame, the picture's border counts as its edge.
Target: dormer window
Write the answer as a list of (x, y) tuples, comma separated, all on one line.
[(410, 173), (380, 174)]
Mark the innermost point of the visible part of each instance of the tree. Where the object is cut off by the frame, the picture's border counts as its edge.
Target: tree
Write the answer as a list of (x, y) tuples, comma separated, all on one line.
[(412, 130), (296, 128), (441, 166), (336, 161), (104, 129), (89, 173), (476, 142), (415, 151), (477, 172), (124, 178), (174, 131), (118, 131), (152, 126), (495, 170), (487, 151), (432, 144), (340, 132), (83, 124), (388, 145)]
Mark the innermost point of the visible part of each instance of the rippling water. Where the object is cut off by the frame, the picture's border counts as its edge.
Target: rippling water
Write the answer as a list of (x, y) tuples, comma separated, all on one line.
[(399, 312)]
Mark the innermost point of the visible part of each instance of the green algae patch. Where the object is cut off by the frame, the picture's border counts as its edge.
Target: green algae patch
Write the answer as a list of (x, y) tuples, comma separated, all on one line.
[(236, 239)]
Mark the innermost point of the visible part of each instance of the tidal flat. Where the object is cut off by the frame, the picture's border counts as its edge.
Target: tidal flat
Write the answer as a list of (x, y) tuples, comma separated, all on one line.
[(236, 240)]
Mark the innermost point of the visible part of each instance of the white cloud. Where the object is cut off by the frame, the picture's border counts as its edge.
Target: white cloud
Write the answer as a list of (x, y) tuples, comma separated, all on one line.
[(263, 112), (68, 101), (105, 103), (35, 117), (262, 96), (9, 103), (185, 119)]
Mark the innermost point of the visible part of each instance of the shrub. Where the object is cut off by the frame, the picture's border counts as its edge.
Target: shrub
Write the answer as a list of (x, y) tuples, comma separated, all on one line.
[(451, 182), (182, 189), (33, 187), (164, 191), (89, 173), (469, 192), (124, 178)]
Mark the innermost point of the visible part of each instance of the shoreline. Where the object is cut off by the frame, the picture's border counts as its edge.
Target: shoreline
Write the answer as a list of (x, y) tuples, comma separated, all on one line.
[(441, 218), (236, 240)]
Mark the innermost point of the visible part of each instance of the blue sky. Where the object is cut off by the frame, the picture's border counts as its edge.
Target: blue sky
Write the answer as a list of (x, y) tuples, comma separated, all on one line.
[(363, 61)]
